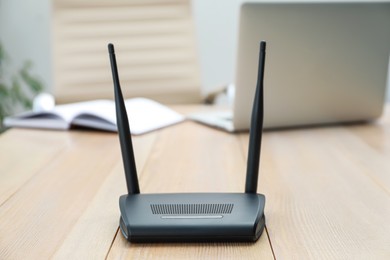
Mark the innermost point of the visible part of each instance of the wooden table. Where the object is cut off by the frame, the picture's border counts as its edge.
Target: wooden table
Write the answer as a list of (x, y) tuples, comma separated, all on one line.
[(327, 191)]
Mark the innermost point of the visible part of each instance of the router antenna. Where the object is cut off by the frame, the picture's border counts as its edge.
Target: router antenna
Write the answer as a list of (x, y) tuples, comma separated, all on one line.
[(256, 129), (123, 129)]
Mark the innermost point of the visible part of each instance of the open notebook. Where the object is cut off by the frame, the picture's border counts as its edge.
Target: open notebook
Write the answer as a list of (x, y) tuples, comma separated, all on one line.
[(145, 115)]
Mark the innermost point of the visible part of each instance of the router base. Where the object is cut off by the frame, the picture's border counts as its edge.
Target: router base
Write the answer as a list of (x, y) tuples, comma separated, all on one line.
[(192, 217)]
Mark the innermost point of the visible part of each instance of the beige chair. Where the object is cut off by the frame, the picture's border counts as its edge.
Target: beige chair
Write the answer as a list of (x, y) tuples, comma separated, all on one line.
[(154, 41)]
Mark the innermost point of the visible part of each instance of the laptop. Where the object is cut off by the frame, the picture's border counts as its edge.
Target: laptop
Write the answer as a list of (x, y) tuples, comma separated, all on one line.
[(326, 63)]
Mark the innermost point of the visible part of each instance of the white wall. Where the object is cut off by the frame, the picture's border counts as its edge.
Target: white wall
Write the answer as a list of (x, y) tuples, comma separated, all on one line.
[(216, 29), (25, 34)]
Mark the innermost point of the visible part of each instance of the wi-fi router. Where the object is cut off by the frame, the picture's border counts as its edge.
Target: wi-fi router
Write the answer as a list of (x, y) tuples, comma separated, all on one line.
[(191, 217)]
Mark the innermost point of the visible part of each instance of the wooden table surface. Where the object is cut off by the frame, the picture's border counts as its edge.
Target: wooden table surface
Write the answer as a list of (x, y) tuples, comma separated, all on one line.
[(327, 191)]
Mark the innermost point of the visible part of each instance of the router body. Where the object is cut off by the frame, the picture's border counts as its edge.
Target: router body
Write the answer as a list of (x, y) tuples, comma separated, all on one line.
[(192, 217)]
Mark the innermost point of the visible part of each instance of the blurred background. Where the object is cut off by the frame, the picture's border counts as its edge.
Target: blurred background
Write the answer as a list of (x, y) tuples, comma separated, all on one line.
[(48, 38)]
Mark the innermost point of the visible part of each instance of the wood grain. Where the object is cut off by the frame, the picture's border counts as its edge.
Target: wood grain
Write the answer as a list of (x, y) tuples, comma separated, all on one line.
[(92, 235), (22, 156), (327, 191), (71, 202)]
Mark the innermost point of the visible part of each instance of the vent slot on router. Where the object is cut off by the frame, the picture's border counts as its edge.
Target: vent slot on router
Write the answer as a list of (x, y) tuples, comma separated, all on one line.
[(191, 209)]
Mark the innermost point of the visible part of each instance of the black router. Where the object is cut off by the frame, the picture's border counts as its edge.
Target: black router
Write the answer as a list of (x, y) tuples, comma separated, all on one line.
[(191, 217)]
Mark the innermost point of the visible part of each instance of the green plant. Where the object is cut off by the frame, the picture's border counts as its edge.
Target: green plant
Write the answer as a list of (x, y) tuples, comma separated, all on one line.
[(17, 90)]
